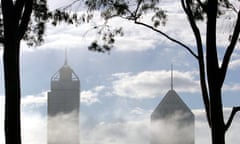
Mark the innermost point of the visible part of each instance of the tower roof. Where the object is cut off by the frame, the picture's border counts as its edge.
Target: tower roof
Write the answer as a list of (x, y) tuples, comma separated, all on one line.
[(65, 72), (169, 105)]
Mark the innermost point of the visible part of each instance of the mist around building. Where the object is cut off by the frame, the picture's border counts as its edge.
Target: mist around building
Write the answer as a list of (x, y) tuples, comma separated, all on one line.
[(171, 122), (112, 119)]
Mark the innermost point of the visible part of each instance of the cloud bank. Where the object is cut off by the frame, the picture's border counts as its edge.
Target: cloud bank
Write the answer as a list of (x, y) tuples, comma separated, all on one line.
[(149, 84), (135, 128), (122, 132)]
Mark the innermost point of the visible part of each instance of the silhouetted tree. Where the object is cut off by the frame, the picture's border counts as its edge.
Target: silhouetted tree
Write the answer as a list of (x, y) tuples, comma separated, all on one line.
[(212, 73), (15, 18), (22, 20)]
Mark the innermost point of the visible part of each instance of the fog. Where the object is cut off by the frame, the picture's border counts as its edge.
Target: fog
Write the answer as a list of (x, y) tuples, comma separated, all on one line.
[(133, 131), (63, 129)]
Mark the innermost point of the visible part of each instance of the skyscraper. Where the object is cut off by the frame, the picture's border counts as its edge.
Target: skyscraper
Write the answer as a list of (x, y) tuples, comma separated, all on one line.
[(172, 122), (63, 107)]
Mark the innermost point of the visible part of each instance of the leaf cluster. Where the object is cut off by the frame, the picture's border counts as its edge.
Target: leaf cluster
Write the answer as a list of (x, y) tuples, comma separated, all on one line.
[(129, 10), (36, 27), (61, 16), (107, 37)]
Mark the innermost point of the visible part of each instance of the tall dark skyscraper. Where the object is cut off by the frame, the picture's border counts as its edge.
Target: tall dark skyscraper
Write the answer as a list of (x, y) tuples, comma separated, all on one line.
[(63, 107), (172, 121)]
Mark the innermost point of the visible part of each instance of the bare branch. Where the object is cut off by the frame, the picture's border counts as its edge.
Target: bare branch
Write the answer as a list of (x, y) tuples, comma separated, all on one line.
[(230, 49), (229, 122), (168, 37), (136, 11), (69, 5), (197, 35)]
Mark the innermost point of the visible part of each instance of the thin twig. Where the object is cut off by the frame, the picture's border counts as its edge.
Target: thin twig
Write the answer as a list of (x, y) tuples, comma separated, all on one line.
[(168, 37)]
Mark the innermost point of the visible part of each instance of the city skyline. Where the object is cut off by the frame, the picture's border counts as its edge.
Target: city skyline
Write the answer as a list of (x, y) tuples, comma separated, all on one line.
[(120, 88)]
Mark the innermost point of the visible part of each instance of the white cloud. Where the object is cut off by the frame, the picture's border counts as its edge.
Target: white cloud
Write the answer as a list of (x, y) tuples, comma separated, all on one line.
[(137, 111), (231, 87), (35, 100), (58, 4), (66, 36), (89, 97), (99, 88), (149, 84), (234, 64)]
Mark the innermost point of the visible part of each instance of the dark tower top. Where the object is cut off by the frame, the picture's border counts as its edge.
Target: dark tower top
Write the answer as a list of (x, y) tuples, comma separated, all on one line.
[(65, 78), (170, 105)]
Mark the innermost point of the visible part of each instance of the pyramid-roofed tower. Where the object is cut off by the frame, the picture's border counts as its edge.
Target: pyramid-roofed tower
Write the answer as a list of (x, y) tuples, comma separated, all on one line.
[(172, 121), (63, 107), (170, 105)]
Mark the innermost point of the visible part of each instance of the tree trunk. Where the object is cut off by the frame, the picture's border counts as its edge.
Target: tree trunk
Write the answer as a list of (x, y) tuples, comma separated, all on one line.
[(12, 91), (218, 136), (217, 121)]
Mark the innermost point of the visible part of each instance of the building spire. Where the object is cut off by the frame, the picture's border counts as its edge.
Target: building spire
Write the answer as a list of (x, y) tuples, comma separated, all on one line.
[(171, 76), (65, 63)]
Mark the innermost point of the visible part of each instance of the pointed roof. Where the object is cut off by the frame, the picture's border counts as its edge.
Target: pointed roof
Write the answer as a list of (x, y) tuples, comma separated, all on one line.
[(65, 72), (169, 105)]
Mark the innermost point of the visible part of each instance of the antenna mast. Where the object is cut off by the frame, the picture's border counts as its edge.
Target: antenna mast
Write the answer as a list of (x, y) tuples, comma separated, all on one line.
[(171, 76), (65, 56)]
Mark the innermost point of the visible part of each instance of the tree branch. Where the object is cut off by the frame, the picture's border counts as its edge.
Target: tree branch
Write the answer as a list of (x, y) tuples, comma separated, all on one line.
[(168, 37), (188, 11), (25, 19), (69, 5), (230, 49), (229, 122), (136, 11)]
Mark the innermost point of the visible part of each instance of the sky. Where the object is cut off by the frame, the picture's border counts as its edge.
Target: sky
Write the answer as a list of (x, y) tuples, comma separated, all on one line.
[(123, 87)]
